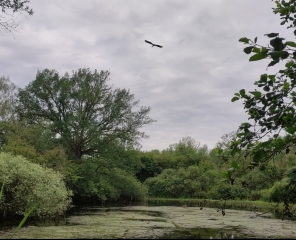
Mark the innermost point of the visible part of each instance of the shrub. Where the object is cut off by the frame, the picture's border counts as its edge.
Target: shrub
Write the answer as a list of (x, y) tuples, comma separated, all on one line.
[(222, 191), (101, 181), (27, 184), (239, 192), (191, 182), (281, 191)]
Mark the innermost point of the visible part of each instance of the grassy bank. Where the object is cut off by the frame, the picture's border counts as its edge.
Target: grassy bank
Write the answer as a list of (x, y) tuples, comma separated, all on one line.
[(256, 206)]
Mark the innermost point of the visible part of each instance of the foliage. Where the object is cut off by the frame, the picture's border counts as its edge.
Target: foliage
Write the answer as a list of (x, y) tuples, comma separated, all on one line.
[(256, 180), (8, 22), (36, 144), (226, 141), (222, 190), (83, 110), (271, 106), (281, 192), (187, 152), (149, 168), (188, 182), (239, 192), (101, 180), (28, 184)]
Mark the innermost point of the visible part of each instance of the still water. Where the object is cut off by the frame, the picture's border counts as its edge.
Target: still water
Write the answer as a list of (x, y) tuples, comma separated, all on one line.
[(205, 233), (183, 233)]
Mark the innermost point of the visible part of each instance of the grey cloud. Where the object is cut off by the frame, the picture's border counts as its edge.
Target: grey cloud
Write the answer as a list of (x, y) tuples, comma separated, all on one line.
[(188, 83)]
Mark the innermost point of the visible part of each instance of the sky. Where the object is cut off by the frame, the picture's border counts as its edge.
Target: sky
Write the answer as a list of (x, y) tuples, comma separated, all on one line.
[(188, 83)]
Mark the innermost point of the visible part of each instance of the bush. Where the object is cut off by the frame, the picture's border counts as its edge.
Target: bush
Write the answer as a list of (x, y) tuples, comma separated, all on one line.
[(239, 192), (221, 190), (27, 184), (281, 191), (191, 182), (100, 181)]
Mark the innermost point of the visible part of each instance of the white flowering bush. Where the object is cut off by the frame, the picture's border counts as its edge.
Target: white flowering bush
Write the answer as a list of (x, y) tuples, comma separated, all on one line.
[(28, 184)]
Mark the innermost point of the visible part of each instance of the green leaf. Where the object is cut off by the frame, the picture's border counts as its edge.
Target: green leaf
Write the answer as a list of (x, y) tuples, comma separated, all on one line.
[(272, 63), (256, 50), (284, 55), (256, 94), (23, 221), (257, 56), (237, 94), (277, 44), (272, 78), (271, 35), (234, 99), (286, 85), (263, 78), (244, 40), (275, 54), (242, 92), (248, 50), (289, 64), (290, 130), (291, 44), (264, 50), (255, 40)]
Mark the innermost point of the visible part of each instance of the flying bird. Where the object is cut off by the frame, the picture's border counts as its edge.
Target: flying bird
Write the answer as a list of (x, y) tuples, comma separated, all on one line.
[(153, 44)]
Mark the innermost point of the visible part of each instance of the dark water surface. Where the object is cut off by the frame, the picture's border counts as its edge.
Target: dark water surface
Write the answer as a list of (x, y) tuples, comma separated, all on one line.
[(205, 233)]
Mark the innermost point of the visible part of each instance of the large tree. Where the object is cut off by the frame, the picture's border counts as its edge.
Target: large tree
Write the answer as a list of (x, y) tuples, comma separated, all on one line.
[(85, 113), (9, 8)]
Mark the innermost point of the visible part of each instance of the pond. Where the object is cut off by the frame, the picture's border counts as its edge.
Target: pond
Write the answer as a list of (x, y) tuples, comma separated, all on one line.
[(166, 222)]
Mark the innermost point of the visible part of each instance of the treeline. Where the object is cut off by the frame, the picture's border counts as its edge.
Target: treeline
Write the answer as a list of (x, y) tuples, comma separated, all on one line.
[(68, 140), (185, 170)]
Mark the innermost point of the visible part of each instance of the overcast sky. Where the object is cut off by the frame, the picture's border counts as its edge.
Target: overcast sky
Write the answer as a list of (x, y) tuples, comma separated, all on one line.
[(188, 83)]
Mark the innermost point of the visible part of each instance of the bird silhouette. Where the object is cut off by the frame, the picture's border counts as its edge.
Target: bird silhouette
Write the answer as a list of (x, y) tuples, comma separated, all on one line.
[(153, 44)]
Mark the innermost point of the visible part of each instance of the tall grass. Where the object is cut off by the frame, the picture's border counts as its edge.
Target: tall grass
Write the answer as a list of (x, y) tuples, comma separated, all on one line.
[(24, 218)]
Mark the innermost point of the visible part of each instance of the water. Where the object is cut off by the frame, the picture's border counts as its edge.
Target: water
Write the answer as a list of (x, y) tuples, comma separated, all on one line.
[(205, 233), (184, 233)]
